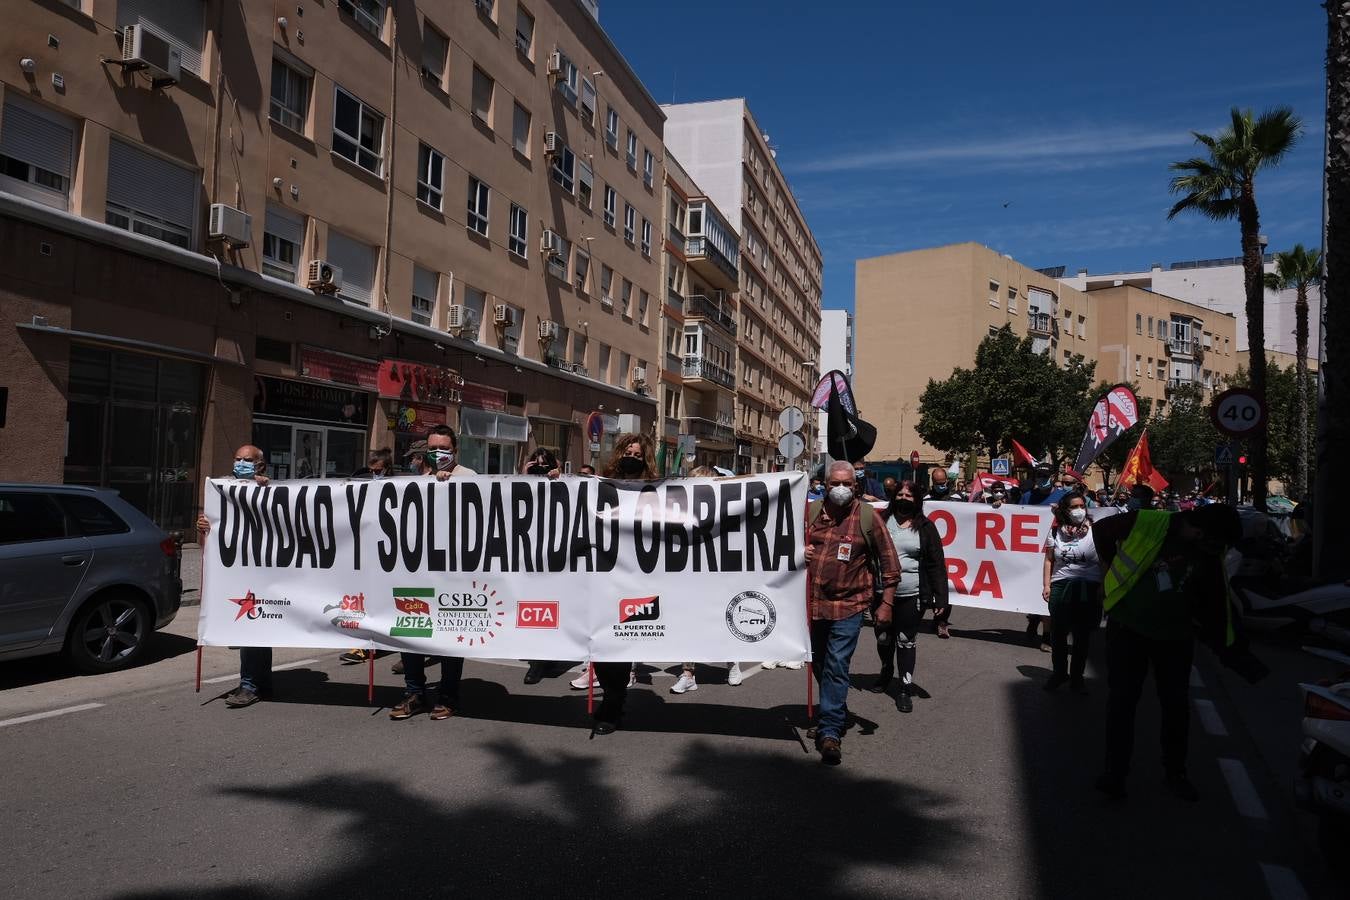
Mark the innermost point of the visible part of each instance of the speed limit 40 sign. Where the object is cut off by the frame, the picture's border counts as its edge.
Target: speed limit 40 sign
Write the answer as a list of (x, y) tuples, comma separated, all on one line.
[(1238, 412)]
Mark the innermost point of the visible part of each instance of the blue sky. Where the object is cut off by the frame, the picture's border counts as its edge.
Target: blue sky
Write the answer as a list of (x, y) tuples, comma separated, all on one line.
[(1041, 129)]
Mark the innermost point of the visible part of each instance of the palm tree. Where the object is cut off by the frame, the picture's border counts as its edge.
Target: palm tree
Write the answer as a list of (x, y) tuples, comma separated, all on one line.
[(1223, 187), (1299, 269)]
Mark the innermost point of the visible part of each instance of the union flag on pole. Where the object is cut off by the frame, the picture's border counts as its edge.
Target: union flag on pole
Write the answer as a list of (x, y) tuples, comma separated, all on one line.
[(1139, 467)]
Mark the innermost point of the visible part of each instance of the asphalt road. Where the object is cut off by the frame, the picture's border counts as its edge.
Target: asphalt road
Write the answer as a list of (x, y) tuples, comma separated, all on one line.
[(132, 785)]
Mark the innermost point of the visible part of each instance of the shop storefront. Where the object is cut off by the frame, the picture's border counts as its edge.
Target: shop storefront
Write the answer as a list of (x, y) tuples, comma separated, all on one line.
[(415, 398), (134, 423), (491, 440), (310, 430)]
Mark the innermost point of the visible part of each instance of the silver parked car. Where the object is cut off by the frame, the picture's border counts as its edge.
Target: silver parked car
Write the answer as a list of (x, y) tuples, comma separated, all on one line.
[(82, 572)]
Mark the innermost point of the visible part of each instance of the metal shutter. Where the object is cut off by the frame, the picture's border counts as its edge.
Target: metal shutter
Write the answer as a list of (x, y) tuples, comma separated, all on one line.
[(424, 283), (285, 226), (357, 261), (177, 21), (34, 138), (152, 185)]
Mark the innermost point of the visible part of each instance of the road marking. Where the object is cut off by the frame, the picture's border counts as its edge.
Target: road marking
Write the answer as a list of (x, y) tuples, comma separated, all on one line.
[(1208, 714), (1245, 798), (1282, 883), (1195, 678), (4, 723), (281, 668)]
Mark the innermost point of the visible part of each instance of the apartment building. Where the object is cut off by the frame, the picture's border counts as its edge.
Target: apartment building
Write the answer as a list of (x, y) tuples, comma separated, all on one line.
[(778, 335), (698, 381), (923, 313), (321, 227), (1218, 285), (836, 352)]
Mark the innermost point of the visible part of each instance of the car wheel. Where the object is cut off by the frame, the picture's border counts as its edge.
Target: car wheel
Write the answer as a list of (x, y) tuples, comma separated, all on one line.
[(109, 633)]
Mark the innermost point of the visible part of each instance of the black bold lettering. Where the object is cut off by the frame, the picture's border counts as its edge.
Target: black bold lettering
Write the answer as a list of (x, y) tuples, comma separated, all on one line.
[(281, 524), (250, 532), (471, 516), (356, 502), (560, 522), (412, 530), (387, 548), (676, 534), (756, 526), (435, 555), (701, 535), (785, 541), (495, 545), (227, 529), (648, 513), (729, 523), (304, 538), (607, 511), (522, 503), (582, 548), (324, 531)]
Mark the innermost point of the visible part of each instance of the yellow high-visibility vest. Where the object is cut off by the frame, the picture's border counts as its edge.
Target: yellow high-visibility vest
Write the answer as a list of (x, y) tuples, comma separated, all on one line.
[(1135, 555)]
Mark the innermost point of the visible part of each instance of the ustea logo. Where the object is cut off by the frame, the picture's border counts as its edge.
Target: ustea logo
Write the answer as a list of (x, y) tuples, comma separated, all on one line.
[(414, 607), (254, 607), (751, 616), (640, 609), (536, 613)]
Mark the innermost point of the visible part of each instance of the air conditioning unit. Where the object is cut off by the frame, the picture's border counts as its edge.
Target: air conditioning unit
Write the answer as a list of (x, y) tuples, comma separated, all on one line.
[(233, 226), (457, 317), (501, 316), (551, 142), (548, 330), (549, 243), (142, 49), (324, 277), (555, 63), (639, 375)]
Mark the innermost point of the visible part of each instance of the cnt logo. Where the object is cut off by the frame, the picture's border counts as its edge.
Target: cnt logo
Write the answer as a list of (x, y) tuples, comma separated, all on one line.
[(253, 607), (640, 609), (536, 613)]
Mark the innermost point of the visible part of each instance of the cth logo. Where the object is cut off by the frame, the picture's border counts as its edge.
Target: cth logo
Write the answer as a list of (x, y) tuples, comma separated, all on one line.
[(536, 613), (640, 609), (751, 616)]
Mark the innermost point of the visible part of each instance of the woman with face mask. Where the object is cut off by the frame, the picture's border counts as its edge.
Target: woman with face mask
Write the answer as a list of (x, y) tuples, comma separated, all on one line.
[(923, 584), (1072, 588)]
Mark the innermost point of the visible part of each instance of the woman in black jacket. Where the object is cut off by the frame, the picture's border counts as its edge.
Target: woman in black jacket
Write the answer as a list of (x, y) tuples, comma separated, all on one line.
[(923, 585)]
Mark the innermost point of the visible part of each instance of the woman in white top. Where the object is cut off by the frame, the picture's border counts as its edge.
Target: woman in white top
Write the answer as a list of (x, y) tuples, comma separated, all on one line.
[(1072, 588)]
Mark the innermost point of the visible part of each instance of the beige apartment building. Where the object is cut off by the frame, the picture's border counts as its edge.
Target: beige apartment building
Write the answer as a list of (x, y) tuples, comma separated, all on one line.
[(698, 382), (778, 330), (322, 227), (922, 314)]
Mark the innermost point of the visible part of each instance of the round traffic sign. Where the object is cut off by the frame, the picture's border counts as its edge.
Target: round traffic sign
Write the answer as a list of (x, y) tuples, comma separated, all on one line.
[(1237, 411), (791, 418), (791, 445)]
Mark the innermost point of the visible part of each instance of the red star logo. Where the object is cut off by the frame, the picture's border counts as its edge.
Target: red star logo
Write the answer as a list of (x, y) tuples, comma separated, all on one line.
[(247, 604), (460, 640)]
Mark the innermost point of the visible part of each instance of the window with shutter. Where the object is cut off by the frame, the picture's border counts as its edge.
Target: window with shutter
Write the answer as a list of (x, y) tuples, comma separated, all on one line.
[(179, 22), (36, 149), (150, 195), (283, 236), (423, 295), (357, 261)]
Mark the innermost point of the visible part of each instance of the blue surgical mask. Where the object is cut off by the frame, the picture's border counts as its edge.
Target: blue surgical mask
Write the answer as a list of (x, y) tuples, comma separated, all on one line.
[(244, 468)]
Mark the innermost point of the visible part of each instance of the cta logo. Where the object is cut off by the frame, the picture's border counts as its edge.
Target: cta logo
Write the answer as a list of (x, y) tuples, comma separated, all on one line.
[(536, 613), (350, 611), (414, 606), (254, 607), (751, 616), (640, 609)]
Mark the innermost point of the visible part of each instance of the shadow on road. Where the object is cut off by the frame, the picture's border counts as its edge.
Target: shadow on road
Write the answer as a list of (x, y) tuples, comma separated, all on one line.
[(596, 841), (39, 669)]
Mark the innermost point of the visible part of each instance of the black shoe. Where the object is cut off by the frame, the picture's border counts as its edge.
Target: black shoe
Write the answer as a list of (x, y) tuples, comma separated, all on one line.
[(904, 702), (535, 673), (603, 727), (830, 754), (1054, 682), (1182, 789), (1112, 786), (241, 697), (883, 680)]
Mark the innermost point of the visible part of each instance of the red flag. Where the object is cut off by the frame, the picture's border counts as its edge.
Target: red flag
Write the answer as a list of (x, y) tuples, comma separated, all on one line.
[(1022, 454), (1139, 467)]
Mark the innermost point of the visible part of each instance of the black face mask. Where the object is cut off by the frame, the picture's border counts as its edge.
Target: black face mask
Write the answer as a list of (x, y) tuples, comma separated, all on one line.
[(903, 509), (537, 470), (630, 465)]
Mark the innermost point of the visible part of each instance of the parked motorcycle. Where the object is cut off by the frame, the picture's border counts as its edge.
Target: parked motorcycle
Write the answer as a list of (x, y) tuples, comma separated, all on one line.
[(1323, 783)]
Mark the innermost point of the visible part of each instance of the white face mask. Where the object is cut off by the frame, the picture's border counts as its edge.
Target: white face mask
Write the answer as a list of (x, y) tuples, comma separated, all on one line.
[(1077, 516), (840, 495)]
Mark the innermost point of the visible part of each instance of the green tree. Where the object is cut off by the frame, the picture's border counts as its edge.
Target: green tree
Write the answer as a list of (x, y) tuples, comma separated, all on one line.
[(1182, 440), (1298, 269), (1012, 391), (1222, 186), (1284, 436)]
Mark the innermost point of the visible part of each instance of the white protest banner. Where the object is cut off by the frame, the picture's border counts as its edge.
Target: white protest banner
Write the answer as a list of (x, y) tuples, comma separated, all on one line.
[(994, 556), (696, 569)]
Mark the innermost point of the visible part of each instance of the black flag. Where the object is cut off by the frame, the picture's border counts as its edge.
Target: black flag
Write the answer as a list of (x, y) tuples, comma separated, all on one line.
[(847, 437)]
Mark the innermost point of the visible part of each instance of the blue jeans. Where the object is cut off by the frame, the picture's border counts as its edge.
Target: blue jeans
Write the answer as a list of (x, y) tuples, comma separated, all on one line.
[(415, 675), (832, 646), (255, 668)]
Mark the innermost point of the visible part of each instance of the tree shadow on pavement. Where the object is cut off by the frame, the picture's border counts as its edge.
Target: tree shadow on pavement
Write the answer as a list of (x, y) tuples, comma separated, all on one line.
[(750, 823)]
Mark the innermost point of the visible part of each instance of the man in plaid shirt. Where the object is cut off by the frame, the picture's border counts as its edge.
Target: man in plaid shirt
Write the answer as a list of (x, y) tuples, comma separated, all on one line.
[(840, 566)]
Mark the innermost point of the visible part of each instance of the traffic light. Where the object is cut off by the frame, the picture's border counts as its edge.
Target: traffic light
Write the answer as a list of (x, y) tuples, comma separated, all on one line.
[(1242, 459)]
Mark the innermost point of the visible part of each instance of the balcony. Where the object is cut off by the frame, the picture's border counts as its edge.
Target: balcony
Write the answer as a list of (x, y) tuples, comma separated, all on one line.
[(709, 432), (1041, 324), (675, 235), (705, 259), (1180, 347), (674, 298), (715, 311), (696, 367)]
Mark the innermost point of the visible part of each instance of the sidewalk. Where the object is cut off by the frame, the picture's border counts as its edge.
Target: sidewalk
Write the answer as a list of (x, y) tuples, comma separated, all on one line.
[(191, 573)]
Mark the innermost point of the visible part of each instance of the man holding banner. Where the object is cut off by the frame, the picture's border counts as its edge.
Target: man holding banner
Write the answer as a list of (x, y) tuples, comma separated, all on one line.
[(845, 544)]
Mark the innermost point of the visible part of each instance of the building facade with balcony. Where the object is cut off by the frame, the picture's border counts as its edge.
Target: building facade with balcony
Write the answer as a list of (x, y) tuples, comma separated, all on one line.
[(779, 269), (322, 233), (698, 383)]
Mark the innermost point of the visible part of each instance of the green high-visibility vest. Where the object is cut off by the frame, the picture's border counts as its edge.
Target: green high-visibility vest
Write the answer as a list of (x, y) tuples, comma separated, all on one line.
[(1135, 555)]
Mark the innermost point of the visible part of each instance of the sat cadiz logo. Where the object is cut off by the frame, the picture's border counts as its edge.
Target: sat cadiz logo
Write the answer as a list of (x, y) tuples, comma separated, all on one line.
[(751, 616), (252, 606), (470, 616), (351, 611), (638, 618)]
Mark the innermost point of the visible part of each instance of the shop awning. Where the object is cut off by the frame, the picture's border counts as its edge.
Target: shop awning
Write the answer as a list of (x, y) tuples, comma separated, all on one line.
[(485, 423)]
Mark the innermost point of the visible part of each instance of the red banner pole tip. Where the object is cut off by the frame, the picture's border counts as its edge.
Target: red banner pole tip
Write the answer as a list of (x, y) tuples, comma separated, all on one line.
[(590, 689), (199, 668), (370, 684)]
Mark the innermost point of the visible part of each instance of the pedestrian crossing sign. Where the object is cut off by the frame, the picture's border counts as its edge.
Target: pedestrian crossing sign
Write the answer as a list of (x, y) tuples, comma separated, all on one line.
[(1223, 455)]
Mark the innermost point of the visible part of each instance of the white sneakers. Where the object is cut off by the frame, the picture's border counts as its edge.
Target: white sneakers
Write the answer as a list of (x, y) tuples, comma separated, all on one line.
[(582, 681), (791, 665), (734, 675), (771, 664), (684, 683), (768, 665)]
